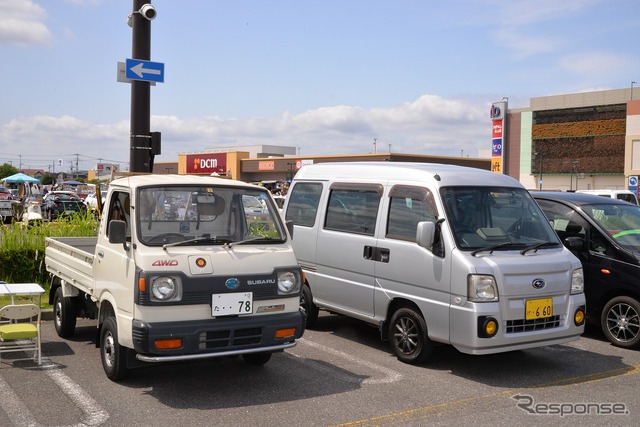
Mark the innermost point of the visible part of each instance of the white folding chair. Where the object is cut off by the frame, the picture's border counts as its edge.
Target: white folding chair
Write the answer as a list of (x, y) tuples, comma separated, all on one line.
[(22, 333)]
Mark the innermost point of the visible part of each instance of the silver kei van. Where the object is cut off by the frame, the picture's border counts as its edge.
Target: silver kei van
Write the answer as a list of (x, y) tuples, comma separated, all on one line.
[(433, 253)]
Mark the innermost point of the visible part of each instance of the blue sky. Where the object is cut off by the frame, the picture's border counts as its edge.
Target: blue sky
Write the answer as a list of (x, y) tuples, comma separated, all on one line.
[(324, 76)]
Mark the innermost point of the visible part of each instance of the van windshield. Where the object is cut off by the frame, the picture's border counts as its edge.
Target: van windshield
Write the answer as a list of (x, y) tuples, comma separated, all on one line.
[(206, 215), (495, 218)]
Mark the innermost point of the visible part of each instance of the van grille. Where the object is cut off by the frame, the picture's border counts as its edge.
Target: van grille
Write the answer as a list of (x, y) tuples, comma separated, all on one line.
[(521, 325)]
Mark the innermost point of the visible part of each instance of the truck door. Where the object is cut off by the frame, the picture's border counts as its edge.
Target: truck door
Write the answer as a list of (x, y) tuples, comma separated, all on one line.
[(347, 251), (114, 267)]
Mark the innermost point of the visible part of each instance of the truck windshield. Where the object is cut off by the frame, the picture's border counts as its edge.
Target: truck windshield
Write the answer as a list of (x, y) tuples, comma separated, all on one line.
[(206, 216), (496, 218)]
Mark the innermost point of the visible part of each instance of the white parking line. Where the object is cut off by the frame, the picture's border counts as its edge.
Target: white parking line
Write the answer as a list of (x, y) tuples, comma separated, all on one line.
[(390, 375), (19, 414)]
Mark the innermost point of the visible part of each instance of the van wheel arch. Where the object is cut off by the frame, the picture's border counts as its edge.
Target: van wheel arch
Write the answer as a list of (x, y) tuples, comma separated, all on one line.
[(394, 306)]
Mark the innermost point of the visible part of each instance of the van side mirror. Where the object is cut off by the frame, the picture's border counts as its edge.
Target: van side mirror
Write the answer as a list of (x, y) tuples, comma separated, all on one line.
[(425, 233)]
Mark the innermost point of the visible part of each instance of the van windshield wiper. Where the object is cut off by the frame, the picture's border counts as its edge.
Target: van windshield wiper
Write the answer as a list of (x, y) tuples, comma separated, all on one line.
[(251, 239), (538, 245), (492, 248)]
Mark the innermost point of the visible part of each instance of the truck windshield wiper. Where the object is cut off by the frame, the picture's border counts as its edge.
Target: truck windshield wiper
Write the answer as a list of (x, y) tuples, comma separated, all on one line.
[(537, 245), (492, 248), (250, 239), (205, 238)]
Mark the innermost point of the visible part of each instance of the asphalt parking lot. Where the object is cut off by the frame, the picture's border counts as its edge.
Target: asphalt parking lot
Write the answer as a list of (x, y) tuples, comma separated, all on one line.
[(339, 374)]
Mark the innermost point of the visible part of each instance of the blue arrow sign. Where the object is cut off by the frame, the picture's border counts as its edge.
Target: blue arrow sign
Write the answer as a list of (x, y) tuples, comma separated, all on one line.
[(137, 69)]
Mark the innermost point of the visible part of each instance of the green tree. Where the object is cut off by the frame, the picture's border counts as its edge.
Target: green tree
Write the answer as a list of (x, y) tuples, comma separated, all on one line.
[(7, 170)]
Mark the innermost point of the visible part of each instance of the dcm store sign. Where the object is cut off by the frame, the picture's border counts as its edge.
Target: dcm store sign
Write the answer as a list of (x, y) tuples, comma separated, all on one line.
[(207, 163)]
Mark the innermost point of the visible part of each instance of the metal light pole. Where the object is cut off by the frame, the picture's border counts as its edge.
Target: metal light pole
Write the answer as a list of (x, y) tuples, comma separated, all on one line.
[(632, 83), (140, 138)]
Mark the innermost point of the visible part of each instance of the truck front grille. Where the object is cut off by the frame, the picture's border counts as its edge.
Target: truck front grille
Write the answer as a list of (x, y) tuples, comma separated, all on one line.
[(230, 338), (522, 325)]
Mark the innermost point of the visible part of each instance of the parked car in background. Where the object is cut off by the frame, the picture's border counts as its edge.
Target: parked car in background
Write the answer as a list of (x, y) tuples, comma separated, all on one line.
[(610, 256), (59, 204), (625, 195), (7, 199)]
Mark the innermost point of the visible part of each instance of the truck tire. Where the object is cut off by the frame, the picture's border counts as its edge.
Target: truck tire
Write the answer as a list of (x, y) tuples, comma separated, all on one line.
[(257, 359), (306, 301), (408, 335), (620, 322), (64, 312), (112, 354)]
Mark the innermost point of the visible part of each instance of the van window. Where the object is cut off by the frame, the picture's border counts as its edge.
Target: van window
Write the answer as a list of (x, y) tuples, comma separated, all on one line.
[(407, 207), (353, 210), (303, 203)]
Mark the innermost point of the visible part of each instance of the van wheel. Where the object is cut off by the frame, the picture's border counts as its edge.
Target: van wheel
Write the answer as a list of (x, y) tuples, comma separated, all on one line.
[(113, 355), (409, 339), (620, 322), (306, 302), (64, 312), (257, 359)]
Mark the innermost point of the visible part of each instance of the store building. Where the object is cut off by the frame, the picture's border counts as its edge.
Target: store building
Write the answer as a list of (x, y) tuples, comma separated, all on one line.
[(568, 142)]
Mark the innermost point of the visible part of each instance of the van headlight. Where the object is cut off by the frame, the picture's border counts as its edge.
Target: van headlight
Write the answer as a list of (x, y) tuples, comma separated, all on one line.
[(288, 282), (481, 288), (165, 288), (577, 281)]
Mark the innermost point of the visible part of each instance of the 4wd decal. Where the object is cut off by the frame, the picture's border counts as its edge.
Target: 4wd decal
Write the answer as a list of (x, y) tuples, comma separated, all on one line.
[(165, 263)]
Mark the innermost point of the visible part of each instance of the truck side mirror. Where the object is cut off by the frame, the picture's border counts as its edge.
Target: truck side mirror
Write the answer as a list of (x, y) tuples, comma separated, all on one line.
[(118, 232)]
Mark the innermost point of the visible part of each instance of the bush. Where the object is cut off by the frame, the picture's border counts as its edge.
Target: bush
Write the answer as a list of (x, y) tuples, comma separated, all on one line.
[(22, 248)]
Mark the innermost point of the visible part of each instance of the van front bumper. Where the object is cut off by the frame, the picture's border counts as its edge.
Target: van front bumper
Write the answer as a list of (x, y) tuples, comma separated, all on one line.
[(219, 337)]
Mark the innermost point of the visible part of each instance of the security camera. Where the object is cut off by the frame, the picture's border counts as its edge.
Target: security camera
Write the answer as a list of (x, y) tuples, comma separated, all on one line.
[(148, 11)]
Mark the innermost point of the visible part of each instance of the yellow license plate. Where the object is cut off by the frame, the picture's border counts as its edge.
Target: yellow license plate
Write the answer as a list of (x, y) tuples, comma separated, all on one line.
[(538, 308)]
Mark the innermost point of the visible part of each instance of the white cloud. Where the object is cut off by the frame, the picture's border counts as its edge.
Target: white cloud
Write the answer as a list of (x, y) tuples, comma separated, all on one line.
[(429, 125), (21, 23)]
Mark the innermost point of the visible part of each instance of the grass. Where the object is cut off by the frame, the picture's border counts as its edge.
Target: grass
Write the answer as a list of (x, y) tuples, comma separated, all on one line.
[(22, 249)]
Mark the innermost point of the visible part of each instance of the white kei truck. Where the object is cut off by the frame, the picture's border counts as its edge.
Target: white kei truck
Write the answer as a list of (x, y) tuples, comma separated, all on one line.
[(432, 253), (182, 268)]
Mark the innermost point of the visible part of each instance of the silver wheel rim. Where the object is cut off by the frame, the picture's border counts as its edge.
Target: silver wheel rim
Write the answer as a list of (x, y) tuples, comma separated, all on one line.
[(58, 312), (623, 322), (406, 335), (109, 349)]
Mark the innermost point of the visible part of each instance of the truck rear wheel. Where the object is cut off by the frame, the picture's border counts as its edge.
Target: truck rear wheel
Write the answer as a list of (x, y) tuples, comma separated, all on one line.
[(409, 339), (257, 359), (64, 314), (113, 355)]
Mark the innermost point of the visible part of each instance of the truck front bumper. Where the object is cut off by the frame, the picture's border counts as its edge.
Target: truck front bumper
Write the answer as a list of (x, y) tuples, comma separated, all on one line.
[(219, 337)]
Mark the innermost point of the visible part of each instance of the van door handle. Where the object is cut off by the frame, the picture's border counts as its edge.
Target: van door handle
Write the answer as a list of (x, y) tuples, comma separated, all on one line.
[(100, 254), (368, 252), (383, 254)]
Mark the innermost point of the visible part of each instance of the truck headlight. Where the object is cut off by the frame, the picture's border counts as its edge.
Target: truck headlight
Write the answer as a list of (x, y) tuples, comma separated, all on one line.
[(577, 281), (165, 288), (288, 282), (481, 288)]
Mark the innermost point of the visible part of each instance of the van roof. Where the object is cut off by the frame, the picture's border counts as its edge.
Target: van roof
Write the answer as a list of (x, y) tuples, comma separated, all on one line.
[(436, 174)]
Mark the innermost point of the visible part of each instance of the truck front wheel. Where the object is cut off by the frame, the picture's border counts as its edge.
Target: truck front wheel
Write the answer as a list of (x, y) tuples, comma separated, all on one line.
[(113, 355), (64, 314)]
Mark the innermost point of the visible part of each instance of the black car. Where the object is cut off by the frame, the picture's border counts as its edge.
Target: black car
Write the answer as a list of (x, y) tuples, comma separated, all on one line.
[(58, 204), (610, 254)]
